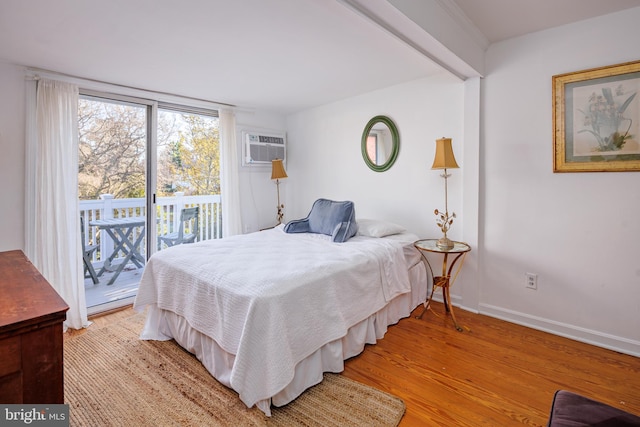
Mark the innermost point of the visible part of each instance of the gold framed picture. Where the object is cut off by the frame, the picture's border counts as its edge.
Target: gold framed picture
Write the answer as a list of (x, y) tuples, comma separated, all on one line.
[(596, 119)]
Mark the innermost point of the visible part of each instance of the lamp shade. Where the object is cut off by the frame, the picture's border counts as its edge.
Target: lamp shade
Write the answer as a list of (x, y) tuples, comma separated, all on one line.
[(277, 169), (444, 155)]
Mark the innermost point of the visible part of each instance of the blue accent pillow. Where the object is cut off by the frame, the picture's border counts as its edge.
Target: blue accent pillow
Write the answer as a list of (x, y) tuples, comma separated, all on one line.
[(335, 219)]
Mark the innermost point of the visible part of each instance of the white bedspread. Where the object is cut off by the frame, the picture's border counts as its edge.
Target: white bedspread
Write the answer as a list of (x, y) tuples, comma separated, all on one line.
[(272, 298)]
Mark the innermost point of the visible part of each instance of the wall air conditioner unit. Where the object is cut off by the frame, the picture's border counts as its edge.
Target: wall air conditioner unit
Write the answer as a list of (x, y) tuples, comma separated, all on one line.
[(262, 147)]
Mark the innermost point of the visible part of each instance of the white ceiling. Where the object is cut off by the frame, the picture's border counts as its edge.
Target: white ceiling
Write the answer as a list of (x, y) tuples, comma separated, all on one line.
[(503, 19), (280, 55)]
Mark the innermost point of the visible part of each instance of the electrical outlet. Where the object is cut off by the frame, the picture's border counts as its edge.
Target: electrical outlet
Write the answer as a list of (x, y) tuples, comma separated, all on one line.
[(532, 281)]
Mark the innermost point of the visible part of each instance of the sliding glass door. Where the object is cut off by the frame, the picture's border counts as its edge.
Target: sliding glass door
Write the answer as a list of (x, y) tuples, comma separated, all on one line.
[(112, 189), (143, 167)]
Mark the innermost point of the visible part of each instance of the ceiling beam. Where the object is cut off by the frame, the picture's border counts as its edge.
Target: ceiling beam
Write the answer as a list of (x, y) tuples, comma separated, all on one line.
[(434, 28)]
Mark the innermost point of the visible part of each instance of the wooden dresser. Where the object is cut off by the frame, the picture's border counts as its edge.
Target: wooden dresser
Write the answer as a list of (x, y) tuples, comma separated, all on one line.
[(31, 316)]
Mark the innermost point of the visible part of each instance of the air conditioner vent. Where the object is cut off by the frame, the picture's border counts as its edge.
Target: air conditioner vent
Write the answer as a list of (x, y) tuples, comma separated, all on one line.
[(261, 148)]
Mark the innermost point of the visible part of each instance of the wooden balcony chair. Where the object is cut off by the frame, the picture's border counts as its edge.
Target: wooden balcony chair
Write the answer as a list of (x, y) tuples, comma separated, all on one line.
[(188, 221), (87, 254)]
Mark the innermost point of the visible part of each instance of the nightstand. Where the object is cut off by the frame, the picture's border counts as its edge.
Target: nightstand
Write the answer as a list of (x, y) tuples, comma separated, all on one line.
[(445, 281)]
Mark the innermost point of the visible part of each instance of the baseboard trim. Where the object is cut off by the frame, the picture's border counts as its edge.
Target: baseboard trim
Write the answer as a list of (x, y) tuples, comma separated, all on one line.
[(599, 339)]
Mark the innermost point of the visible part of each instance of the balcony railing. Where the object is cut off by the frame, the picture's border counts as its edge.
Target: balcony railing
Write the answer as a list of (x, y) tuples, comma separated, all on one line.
[(167, 218)]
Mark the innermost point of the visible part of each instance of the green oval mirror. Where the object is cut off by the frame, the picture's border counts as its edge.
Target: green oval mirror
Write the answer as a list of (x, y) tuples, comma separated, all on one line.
[(380, 143)]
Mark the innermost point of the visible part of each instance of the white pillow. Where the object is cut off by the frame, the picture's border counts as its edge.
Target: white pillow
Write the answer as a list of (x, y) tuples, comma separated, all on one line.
[(377, 228)]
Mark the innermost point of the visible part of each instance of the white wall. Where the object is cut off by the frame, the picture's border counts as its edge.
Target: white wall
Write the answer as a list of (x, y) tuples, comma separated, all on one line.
[(258, 192), (12, 160), (325, 158), (578, 231)]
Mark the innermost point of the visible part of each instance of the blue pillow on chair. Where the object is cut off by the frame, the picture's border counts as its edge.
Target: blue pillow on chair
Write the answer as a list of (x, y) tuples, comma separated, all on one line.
[(335, 219)]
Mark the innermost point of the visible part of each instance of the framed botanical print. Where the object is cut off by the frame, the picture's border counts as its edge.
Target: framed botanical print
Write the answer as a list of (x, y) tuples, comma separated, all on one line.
[(596, 119)]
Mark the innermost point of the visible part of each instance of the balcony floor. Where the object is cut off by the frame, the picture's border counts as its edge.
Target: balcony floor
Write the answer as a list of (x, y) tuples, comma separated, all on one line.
[(101, 296)]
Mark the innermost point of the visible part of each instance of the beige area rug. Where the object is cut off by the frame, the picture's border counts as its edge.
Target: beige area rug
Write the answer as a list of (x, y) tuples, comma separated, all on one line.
[(114, 379)]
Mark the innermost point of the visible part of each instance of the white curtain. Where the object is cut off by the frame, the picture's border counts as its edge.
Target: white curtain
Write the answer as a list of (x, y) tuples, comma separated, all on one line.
[(230, 177), (52, 229)]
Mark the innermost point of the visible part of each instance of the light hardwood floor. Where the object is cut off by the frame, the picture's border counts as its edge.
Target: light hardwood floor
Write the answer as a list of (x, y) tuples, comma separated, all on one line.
[(494, 373)]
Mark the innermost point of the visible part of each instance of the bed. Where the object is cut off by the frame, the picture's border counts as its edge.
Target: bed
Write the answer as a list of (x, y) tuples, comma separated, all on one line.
[(268, 312)]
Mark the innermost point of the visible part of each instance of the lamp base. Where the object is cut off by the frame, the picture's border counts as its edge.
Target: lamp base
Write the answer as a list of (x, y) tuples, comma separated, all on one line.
[(444, 244), (280, 213)]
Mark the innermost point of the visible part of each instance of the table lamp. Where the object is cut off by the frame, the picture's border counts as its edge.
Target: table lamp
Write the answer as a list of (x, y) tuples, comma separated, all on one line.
[(278, 173), (444, 159)]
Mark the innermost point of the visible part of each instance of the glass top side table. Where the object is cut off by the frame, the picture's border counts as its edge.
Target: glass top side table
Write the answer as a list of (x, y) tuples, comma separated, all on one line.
[(445, 281)]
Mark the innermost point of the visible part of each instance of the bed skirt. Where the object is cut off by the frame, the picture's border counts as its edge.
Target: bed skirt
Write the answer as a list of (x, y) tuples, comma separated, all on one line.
[(165, 325)]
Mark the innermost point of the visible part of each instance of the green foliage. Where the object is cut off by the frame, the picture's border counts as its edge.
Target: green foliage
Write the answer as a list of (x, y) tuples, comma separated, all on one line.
[(193, 158)]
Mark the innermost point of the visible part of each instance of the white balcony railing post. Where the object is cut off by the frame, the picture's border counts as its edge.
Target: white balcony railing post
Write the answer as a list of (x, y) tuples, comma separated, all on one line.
[(106, 242), (107, 210), (177, 209)]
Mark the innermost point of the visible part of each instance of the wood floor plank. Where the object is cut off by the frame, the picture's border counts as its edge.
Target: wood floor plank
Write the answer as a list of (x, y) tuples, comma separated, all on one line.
[(495, 373)]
